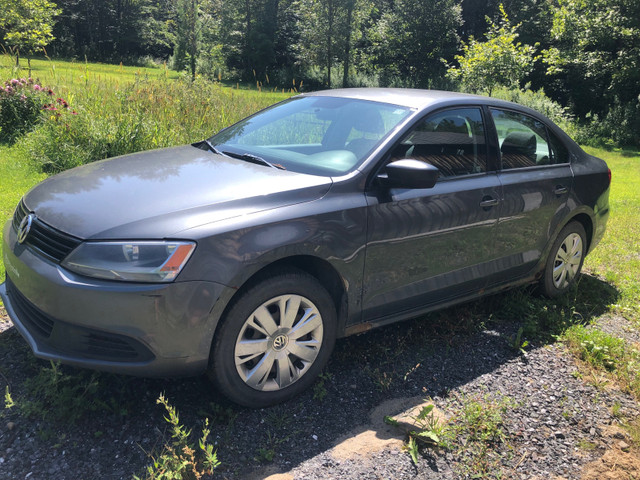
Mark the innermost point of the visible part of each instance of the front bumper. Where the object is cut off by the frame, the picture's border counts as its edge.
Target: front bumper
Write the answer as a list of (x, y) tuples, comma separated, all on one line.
[(150, 330)]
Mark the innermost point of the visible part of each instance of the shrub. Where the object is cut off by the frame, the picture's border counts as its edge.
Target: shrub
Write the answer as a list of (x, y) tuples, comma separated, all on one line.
[(538, 101), (619, 127), (22, 103), (141, 116)]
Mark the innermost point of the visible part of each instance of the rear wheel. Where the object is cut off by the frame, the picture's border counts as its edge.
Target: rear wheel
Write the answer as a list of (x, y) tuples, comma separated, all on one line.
[(274, 340), (565, 260)]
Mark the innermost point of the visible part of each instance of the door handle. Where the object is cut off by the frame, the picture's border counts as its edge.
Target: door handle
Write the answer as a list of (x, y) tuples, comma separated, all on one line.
[(489, 202), (560, 190)]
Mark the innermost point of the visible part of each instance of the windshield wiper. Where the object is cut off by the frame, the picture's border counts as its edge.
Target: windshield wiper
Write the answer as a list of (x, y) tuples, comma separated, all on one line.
[(211, 147), (253, 159)]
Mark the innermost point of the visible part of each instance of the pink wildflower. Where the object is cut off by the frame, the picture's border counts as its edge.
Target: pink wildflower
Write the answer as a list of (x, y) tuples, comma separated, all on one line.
[(37, 88)]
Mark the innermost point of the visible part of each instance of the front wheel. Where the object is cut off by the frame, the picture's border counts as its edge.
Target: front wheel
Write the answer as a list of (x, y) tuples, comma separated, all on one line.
[(274, 340), (565, 260)]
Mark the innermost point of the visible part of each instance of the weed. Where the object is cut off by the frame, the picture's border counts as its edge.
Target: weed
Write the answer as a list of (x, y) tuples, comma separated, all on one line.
[(267, 452), (516, 342), (54, 395), (382, 380), (8, 400), (586, 445), (607, 357), (616, 410), (179, 460), (633, 429), (278, 417), (319, 388), (476, 432), (219, 415)]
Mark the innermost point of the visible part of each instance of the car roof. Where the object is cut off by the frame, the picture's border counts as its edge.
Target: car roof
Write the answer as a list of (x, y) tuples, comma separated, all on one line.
[(408, 97)]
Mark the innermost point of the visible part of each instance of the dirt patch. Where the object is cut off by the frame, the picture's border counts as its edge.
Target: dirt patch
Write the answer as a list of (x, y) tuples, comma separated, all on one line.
[(621, 461), (378, 436), (615, 464)]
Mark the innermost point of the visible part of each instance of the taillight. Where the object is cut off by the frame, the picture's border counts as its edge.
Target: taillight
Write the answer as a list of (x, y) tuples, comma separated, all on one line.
[(609, 176)]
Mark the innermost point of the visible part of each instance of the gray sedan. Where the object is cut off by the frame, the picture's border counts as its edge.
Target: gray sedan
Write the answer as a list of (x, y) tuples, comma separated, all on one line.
[(246, 255)]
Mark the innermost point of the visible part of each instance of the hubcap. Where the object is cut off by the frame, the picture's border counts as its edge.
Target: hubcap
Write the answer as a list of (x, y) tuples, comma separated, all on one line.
[(567, 261), (278, 343)]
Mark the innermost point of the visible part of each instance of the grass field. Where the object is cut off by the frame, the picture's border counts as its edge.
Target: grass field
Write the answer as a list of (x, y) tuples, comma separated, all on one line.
[(617, 258)]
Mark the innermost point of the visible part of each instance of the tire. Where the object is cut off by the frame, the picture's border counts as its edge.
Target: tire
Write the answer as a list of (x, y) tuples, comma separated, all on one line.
[(565, 260), (261, 357)]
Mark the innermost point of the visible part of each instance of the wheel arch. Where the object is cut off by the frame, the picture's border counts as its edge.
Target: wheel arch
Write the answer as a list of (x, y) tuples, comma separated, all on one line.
[(318, 268), (587, 223)]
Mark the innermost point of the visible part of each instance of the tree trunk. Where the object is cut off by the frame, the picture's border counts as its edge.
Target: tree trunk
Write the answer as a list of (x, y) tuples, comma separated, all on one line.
[(330, 15), (347, 46), (29, 64)]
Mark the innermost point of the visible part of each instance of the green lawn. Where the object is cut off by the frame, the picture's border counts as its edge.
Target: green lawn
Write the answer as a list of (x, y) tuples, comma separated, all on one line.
[(15, 179), (617, 258)]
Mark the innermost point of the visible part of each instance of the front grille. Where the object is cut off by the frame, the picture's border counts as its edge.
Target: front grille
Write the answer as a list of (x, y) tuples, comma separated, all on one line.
[(109, 346), (37, 322), (44, 239)]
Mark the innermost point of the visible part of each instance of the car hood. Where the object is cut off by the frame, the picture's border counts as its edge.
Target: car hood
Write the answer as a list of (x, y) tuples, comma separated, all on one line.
[(160, 193)]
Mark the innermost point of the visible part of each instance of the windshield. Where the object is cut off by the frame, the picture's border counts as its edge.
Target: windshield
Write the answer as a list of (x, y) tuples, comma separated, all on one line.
[(315, 135)]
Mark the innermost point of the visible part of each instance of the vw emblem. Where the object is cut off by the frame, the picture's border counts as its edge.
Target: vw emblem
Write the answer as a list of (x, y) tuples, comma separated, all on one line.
[(25, 227), (280, 342)]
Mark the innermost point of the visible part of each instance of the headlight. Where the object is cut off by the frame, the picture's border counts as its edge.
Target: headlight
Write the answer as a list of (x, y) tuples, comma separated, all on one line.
[(130, 261)]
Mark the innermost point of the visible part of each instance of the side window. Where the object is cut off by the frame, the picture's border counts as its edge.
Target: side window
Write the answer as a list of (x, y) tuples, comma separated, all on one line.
[(559, 152), (453, 141), (522, 140)]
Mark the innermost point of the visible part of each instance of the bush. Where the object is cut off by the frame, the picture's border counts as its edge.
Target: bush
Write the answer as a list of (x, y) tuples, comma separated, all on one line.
[(142, 116), (538, 101), (21, 107), (619, 127)]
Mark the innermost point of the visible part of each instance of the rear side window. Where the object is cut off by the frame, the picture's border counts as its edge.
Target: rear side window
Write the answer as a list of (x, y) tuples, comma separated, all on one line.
[(559, 152), (453, 141), (525, 141)]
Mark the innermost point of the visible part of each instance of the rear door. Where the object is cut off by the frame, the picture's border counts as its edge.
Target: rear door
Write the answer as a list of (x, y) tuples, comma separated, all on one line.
[(536, 180)]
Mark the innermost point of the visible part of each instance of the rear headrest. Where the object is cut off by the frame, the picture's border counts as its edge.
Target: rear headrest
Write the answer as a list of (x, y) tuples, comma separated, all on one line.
[(519, 142)]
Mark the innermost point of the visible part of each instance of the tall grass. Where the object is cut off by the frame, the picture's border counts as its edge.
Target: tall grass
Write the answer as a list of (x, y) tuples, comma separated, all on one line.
[(126, 109), (144, 115)]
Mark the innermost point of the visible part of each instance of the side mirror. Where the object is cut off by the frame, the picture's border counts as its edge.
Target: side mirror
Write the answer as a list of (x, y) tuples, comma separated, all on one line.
[(409, 173)]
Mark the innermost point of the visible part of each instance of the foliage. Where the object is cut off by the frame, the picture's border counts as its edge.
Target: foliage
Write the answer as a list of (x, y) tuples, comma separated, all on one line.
[(23, 103), (593, 60), (517, 343), (56, 396), (413, 37), (28, 24), (539, 101), (179, 460), (500, 60), (8, 399), (608, 354), (188, 35), (115, 30), (142, 116)]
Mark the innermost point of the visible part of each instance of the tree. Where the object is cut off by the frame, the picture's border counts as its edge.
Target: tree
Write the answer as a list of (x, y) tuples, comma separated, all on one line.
[(500, 60), (411, 39), (28, 24), (595, 53)]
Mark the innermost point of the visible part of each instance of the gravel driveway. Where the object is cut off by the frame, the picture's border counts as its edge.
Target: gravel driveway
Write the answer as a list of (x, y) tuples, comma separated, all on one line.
[(552, 423)]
